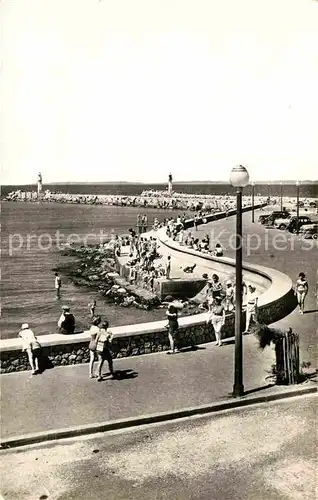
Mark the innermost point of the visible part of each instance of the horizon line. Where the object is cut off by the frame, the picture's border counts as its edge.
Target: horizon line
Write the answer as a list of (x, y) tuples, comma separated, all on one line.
[(289, 181)]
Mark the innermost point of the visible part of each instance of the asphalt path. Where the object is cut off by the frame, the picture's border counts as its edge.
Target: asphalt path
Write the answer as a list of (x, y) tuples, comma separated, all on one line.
[(65, 396), (258, 453)]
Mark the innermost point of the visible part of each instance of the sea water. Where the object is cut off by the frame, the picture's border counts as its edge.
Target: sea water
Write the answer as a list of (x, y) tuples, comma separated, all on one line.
[(32, 236)]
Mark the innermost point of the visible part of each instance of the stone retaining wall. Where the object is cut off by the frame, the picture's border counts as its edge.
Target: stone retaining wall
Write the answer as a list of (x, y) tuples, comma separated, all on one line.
[(132, 345), (143, 340)]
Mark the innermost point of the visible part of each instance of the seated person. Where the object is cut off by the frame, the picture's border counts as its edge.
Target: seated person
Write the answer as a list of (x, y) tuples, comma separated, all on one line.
[(66, 322), (218, 252), (196, 244), (189, 269)]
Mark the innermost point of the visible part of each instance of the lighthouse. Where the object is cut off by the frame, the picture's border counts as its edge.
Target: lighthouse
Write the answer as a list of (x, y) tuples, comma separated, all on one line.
[(170, 185), (40, 184)]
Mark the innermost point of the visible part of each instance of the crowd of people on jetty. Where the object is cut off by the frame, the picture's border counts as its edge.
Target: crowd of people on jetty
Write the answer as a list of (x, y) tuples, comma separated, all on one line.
[(145, 263), (147, 199)]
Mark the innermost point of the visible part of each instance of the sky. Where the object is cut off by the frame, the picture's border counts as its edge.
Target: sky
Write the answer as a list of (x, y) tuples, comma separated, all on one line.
[(131, 90)]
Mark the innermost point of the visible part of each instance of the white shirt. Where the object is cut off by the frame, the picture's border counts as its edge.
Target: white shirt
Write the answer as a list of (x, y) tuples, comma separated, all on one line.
[(27, 337), (251, 301), (60, 321)]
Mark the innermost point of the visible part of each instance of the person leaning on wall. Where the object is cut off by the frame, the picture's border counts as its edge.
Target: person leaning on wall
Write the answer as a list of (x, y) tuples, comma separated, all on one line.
[(31, 346)]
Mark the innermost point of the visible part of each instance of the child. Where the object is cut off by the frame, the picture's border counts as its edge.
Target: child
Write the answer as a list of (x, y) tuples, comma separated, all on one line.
[(92, 307)]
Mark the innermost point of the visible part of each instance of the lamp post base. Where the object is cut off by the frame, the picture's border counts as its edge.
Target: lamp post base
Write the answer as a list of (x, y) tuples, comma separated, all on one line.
[(238, 390)]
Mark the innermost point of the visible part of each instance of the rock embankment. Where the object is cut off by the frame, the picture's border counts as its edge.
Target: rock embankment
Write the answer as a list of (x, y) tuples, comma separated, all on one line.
[(94, 267)]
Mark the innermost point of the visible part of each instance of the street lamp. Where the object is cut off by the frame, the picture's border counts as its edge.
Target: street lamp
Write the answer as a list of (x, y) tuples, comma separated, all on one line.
[(297, 207), (239, 179), (253, 194), (281, 196)]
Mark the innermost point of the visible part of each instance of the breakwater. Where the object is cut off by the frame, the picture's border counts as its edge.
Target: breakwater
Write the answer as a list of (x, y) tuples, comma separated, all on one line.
[(149, 199), (273, 189)]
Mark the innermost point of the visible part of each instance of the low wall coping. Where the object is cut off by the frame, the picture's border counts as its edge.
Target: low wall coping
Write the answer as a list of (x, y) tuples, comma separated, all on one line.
[(118, 332)]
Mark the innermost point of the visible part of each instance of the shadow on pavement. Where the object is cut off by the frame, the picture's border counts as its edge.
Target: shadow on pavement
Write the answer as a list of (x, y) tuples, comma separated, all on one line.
[(122, 374), (228, 342), (44, 363), (311, 311), (192, 348), (258, 389)]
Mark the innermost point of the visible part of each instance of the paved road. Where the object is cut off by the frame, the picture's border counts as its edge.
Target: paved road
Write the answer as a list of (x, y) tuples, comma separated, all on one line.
[(259, 453), (66, 397)]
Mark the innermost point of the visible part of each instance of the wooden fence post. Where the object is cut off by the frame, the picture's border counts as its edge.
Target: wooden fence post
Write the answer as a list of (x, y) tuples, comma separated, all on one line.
[(287, 358)]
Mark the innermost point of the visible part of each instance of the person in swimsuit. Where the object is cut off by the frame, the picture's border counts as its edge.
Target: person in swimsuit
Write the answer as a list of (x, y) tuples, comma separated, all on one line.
[(229, 296), (217, 286), (57, 284), (104, 340), (209, 300), (91, 308), (94, 332), (301, 290), (168, 267), (251, 307), (217, 318)]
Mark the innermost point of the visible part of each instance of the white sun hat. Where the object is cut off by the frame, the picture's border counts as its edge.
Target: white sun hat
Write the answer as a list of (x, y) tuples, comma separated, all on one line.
[(24, 326)]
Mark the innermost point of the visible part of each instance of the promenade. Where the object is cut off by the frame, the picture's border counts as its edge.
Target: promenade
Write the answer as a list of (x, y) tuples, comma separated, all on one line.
[(65, 396)]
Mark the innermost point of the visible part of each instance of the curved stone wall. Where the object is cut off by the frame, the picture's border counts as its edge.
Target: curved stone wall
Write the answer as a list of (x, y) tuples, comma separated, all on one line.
[(276, 301), (277, 298)]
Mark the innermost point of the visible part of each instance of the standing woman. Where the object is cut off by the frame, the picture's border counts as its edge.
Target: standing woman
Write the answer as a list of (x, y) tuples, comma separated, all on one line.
[(217, 286), (218, 319), (229, 296), (94, 332), (104, 340), (172, 315), (301, 289)]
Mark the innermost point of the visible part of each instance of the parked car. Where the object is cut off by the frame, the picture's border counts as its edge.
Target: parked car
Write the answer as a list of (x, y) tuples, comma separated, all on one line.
[(291, 223), (270, 218), (309, 231)]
